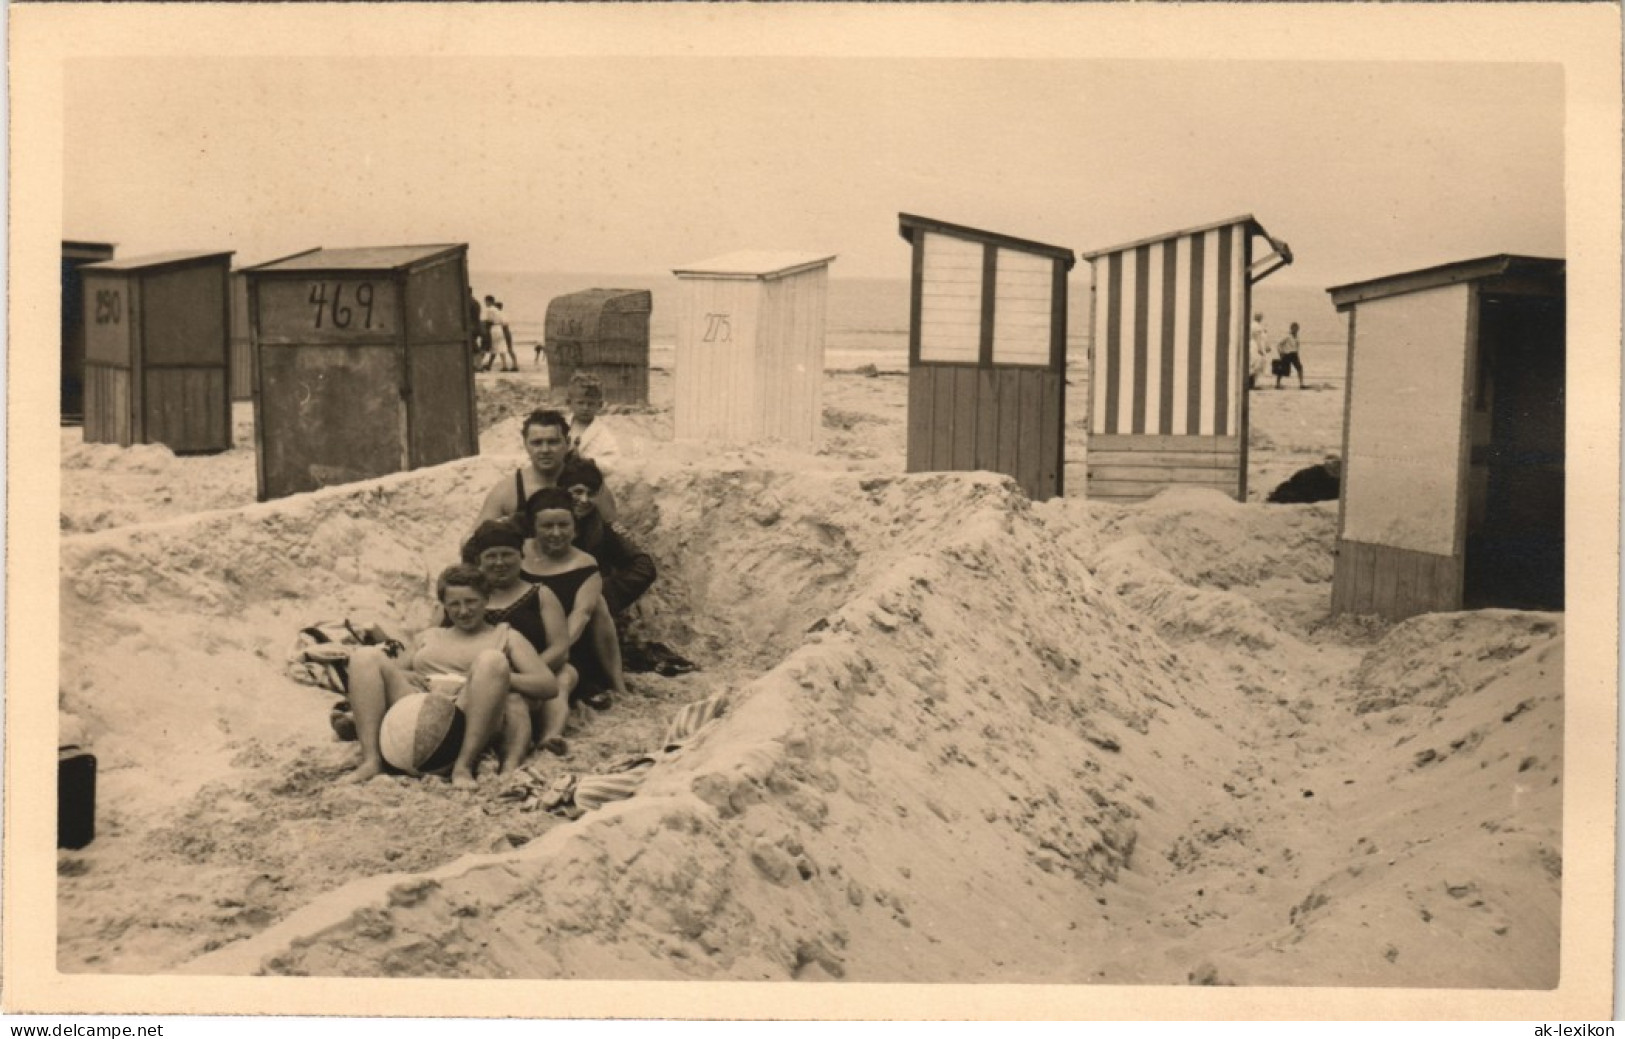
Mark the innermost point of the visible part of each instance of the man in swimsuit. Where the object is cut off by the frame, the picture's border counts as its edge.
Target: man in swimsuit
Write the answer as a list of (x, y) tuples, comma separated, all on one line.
[(547, 444)]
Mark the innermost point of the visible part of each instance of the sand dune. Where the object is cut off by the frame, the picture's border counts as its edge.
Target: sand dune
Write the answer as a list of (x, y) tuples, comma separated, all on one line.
[(967, 738)]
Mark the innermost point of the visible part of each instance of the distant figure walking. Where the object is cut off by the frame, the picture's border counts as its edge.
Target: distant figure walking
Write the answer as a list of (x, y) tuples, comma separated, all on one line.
[(510, 363), (1288, 349), (488, 320), (1259, 363)]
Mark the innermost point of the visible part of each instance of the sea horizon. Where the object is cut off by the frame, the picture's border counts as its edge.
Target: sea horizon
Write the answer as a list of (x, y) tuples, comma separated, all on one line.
[(867, 317)]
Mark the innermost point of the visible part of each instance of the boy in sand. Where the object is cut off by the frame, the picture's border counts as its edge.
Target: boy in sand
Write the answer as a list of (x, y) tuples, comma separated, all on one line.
[(546, 435), (588, 437)]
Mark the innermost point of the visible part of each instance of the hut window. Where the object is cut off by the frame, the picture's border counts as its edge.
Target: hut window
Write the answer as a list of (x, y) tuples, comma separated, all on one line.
[(951, 300), (1022, 308)]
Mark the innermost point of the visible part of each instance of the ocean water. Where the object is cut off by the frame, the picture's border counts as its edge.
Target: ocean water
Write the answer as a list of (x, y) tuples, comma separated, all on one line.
[(867, 319)]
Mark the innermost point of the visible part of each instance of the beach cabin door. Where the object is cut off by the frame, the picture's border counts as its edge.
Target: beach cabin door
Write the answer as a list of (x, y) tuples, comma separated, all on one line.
[(1514, 547)]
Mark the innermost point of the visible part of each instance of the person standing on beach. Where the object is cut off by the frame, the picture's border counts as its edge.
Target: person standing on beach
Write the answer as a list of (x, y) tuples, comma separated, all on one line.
[(510, 363), (1288, 349), (1259, 363), (488, 320)]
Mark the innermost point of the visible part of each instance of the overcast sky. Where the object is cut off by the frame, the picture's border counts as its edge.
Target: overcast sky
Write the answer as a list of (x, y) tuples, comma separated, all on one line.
[(639, 165)]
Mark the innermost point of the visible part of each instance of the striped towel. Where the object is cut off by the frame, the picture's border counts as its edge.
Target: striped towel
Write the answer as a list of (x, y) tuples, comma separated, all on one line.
[(620, 782), (691, 719)]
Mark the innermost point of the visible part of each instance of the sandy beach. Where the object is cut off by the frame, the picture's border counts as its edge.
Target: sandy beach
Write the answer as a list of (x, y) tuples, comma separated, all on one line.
[(967, 738)]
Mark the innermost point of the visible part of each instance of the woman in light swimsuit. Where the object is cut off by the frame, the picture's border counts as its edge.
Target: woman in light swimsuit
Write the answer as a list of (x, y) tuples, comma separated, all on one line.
[(488, 670)]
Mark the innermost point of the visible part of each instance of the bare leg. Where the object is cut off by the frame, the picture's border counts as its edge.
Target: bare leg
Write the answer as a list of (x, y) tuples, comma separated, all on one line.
[(606, 642), (515, 732), (556, 712), (375, 684), (482, 702)]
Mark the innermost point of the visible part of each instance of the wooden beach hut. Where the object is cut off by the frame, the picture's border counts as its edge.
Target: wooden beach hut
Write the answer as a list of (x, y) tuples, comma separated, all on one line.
[(1168, 358), (74, 256), (604, 332), (750, 348), (986, 354), (362, 364), (157, 358), (1453, 444)]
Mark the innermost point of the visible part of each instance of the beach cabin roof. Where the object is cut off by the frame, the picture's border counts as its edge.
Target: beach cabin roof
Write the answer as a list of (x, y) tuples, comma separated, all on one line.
[(908, 225), (240, 268), (1244, 218), (154, 261), (371, 258), (1528, 275), (754, 264), (78, 249)]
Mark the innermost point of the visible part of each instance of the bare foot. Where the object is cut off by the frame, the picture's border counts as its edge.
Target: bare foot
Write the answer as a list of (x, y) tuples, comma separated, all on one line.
[(364, 771), (555, 745), (463, 779)]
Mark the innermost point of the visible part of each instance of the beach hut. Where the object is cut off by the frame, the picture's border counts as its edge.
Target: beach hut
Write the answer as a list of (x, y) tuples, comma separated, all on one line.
[(1453, 465), (74, 256), (362, 364), (603, 332), (986, 354), (156, 351), (750, 348), (1168, 358)]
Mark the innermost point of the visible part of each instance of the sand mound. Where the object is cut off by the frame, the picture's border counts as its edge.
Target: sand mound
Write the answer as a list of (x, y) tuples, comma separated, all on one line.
[(966, 739)]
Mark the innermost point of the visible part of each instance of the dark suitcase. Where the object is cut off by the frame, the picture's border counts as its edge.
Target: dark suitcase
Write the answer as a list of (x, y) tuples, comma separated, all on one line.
[(75, 798)]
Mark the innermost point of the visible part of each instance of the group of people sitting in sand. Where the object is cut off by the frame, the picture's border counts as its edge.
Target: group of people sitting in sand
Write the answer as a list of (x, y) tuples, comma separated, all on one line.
[(532, 615)]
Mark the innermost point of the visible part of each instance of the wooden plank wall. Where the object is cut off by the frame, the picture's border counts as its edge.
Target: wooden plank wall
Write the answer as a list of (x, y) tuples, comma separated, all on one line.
[(441, 422), (1133, 468), (715, 381), (1393, 583), (790, 359), (186, 408), (242, 341), (184, 316), (966, 418), (107, 405), (324, 416)]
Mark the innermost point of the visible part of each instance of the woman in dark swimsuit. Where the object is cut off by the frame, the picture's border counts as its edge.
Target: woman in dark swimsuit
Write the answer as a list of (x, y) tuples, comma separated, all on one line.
[(572, 575), (530, 609)]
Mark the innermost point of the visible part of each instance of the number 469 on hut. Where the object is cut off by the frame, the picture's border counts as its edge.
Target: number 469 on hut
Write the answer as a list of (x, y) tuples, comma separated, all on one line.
[(343, 309)]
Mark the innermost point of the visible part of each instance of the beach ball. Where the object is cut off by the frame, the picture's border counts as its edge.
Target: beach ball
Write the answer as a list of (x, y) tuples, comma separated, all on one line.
[(421, 733)]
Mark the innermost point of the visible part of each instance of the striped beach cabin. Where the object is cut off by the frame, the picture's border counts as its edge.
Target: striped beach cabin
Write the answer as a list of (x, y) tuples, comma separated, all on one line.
[(986, 354), (1168, 358)]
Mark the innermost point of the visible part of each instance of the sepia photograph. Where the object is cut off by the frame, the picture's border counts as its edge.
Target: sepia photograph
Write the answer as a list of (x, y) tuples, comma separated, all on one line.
[(1076, 499)]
